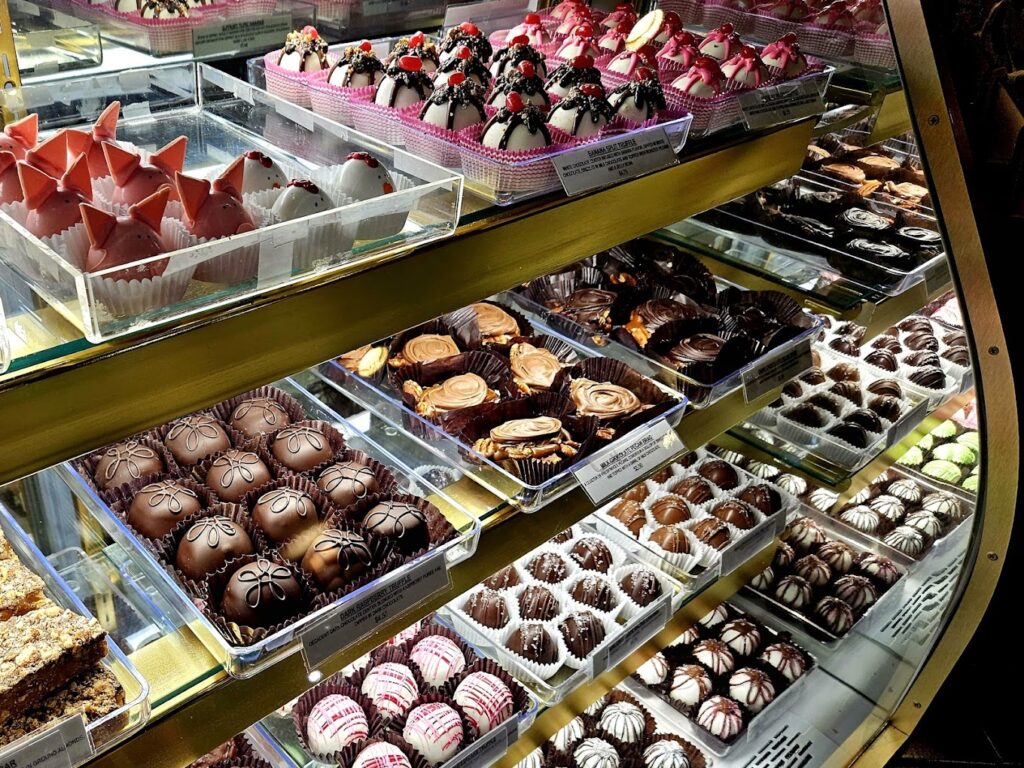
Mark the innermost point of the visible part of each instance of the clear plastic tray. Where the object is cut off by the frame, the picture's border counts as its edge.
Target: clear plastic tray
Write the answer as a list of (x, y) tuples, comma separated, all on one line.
[(388, 404), (131, 716), (831, 182), (222, 117), (244, 661), (636, 631), (48, 40), (266, 746)]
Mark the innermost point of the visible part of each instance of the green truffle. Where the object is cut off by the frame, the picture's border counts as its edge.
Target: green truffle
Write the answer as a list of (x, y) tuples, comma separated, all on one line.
[(971, 440), (958, 454), (971, 483), (946, 471), (914, 457), (945, 430), (976, 468), (926, 443)]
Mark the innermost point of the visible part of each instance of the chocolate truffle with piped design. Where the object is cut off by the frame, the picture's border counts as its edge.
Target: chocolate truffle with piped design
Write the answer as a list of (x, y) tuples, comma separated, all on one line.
[(401, 522), (234, 473), (209, 543), (260, 594), (516, 127), (193, 438), (126, 462), (158, 507)]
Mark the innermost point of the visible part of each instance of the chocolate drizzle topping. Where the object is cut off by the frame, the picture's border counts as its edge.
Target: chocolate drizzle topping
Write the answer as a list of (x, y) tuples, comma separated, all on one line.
[(466, 93), (359, 62), (514, 81), (529, 117), (469, 67), (647, 95), (568, 76), (418, 80), (456, 37), (509, 57), (585, 105)]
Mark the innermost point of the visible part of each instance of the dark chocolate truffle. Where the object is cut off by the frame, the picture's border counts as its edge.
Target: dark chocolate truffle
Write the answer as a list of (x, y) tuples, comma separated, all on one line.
[(843, 372), (865, 418), (807, 415), (921, 359), (958, 356), (955, 339), (347, 482), (532, 642), (401, 522), (930, 377), (592, 554), (593, 591), (694, 489), (641, 585), (582, 632), (630, 514), (300, 448), (259, 415), (488, 608), (549, 567), (503, 579), (888, 343), (336, 558), (670, 510), (792, 389), (208, 544), (813, 376), (671, 539), (886, 387), (712, 532), (918, 340), (537, 603), (734, 513), (260, 594), (882, 358), (763, 498), (193, 438), (284, 514), (854, 434), (826, 402), (720, 473), (160, 506), (886, 406), (236, 472), (126, 462), (848, 391), (847, 345)]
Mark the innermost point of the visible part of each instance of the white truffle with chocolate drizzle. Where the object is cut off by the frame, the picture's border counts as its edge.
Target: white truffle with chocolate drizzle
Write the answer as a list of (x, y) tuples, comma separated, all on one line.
[(455, 105), (405, 83), (583, 112), (640, 98), (516, 127)]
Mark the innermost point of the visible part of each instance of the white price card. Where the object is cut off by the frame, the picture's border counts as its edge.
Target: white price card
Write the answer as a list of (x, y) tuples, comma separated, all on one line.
[(63, 745), (773, 104), (637, 632), (622, 464), (598, 165), (906, 424), (375, 606), (488, 748), (776, 371), (741, 551), (259, 33)]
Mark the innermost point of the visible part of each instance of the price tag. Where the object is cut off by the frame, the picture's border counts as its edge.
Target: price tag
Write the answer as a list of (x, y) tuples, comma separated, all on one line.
[(777, 370), (906, 425), (621, 465), (598, 165), (936, 277), (374, 607), (636, 633), (737, 554), (774, 104), (487, 748), (259, 33), (63, 745)]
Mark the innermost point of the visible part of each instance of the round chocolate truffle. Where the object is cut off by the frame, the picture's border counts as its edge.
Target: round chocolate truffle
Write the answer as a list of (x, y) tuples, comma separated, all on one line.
[(488, 608), (813, 376), (592, 554), (630, 514), (337, 558), (582, 632), (720, 473), (880, 568), (866, 419), (593, 591), (785, 556), (826, 402), (533, 643), (695, 490), (485, 699), (752, 688), (733, 512), (806, 415), (549, 567), (392, 688), (671, 539), (504, 579), (852, 434), (843, 372), (837, 556), (335, 722), (595, 753), (259, 415), (623, 721), (836, 615), (300, 448), (889, 387), (193, 438), (160, 506), (846, 345), (125, 463), (285, 514), (712, 532), (763, 498), (641, 586), (637, 493), (537, 603), (666, 753), (721, 717), (208, 544), (887, 407), (439, 659), (786, 659), (691, 684), (434, 729), (654, 671), (742, 636), (814, 569), (847, 390), (569, 735), (856, 591), (261, 594), (347, 482), (882, 358), (236, 472), (670, 510), (401, 522), (794, 591), (717, 615)]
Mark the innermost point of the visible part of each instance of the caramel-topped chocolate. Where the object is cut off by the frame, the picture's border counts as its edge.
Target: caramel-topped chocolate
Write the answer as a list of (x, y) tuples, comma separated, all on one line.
[(533, 367), (525, 430), (494, 322), (602, 399), (461, 391), (426, 349)]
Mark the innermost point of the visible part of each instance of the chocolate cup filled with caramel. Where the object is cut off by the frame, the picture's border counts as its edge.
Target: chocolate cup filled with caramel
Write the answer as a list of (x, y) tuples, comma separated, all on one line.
[(577, 297), (436, 339)]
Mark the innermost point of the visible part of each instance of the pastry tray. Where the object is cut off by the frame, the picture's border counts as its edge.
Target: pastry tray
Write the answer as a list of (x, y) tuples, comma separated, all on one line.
[(636, 631), (246, 660), (48, 40), (222, 117), (386, 403), (130, 717), (701, 394)]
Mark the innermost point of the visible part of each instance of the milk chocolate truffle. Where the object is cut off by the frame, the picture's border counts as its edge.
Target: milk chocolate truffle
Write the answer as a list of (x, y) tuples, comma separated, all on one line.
[(641, 585), (786, 659), (930, 377), (488, 608), (813, 376), (401, 522), (763, 498), (125, 462), (670, 510), (752, 688), (592, 554), (300, 448), (695, 490), (720, 473), (503, 579), (260, 594), (532, 642), (336, 558), (888, 343), (836, 615), (882, 358), (734, 513), (847, 390), (236, 472), (593, 591), (843, 372), (193, 438), (582, 632), (537, 603), (347, 482), (826, 402), (671, 539), (846, 345), (887, 407), (637, 493), (549, 567), (160, 506), (793, 389), (259, 415), (631, 515), (712, 532), (285, 514), (208, 544)]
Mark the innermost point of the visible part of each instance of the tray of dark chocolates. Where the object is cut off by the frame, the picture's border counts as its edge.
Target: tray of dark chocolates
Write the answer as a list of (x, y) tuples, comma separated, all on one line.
[(905, 513), (814, 496), (729, 676), (202, 191), (949, 456), (876, 245), (426, 697), (515, 405), (565, 612), (825, 579), (698, 517), (266, 515), (661, 311)]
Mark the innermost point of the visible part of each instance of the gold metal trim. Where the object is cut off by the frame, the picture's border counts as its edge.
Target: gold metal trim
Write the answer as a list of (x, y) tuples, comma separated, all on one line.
[(893, 117)]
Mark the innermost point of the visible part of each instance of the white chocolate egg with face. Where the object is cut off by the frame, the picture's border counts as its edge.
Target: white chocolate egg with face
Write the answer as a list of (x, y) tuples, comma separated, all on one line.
[(301, 198), (364, 177), (260, 173)]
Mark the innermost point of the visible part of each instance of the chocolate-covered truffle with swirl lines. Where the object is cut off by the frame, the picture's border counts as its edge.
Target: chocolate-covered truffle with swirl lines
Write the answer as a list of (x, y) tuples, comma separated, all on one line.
[(284, 514), (337, 558), (208, 544), (347, 482), (301, 448), (399, 521), (461, 391), (425, 348), (260, 594), (125, 462), (236, 472), (259, 415), (158, 507), (193, 438)]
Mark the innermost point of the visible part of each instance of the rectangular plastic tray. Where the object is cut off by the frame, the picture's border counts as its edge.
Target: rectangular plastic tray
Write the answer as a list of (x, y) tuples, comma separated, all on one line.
[(49, 40), (649, 621), (131, 716), (388, 404), (244, 661), (222, 117)]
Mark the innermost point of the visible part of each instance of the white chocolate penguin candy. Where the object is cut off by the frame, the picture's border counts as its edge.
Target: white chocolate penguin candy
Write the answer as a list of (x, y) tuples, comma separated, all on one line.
[(364, 177), (301, 198), (260, 173)]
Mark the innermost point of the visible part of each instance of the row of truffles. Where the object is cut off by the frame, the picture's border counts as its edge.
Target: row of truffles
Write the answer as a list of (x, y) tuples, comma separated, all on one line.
[(261, 513), (417, 700), (950, 454), (166, 9), (829, 582), (724, 671)]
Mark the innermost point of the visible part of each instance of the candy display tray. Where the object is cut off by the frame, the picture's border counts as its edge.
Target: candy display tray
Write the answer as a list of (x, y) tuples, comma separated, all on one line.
[(222, 117), (49, 40), (246, 660), (130, 717)]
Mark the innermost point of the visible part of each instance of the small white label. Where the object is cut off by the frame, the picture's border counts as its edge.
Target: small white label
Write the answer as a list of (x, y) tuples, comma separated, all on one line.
[(777, 371), (620, 466), (738, 553), (259, 33), (374, 607), (637, 632), (905, 425), (774, 104), (487, 748), (63, 745), (598, 165), (936, 277)]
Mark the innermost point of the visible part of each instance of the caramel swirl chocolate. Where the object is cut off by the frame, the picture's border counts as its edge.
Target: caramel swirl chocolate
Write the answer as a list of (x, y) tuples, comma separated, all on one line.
[(603, 399), (425, 349), (461, 391), (534, 368), (496, 325)]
